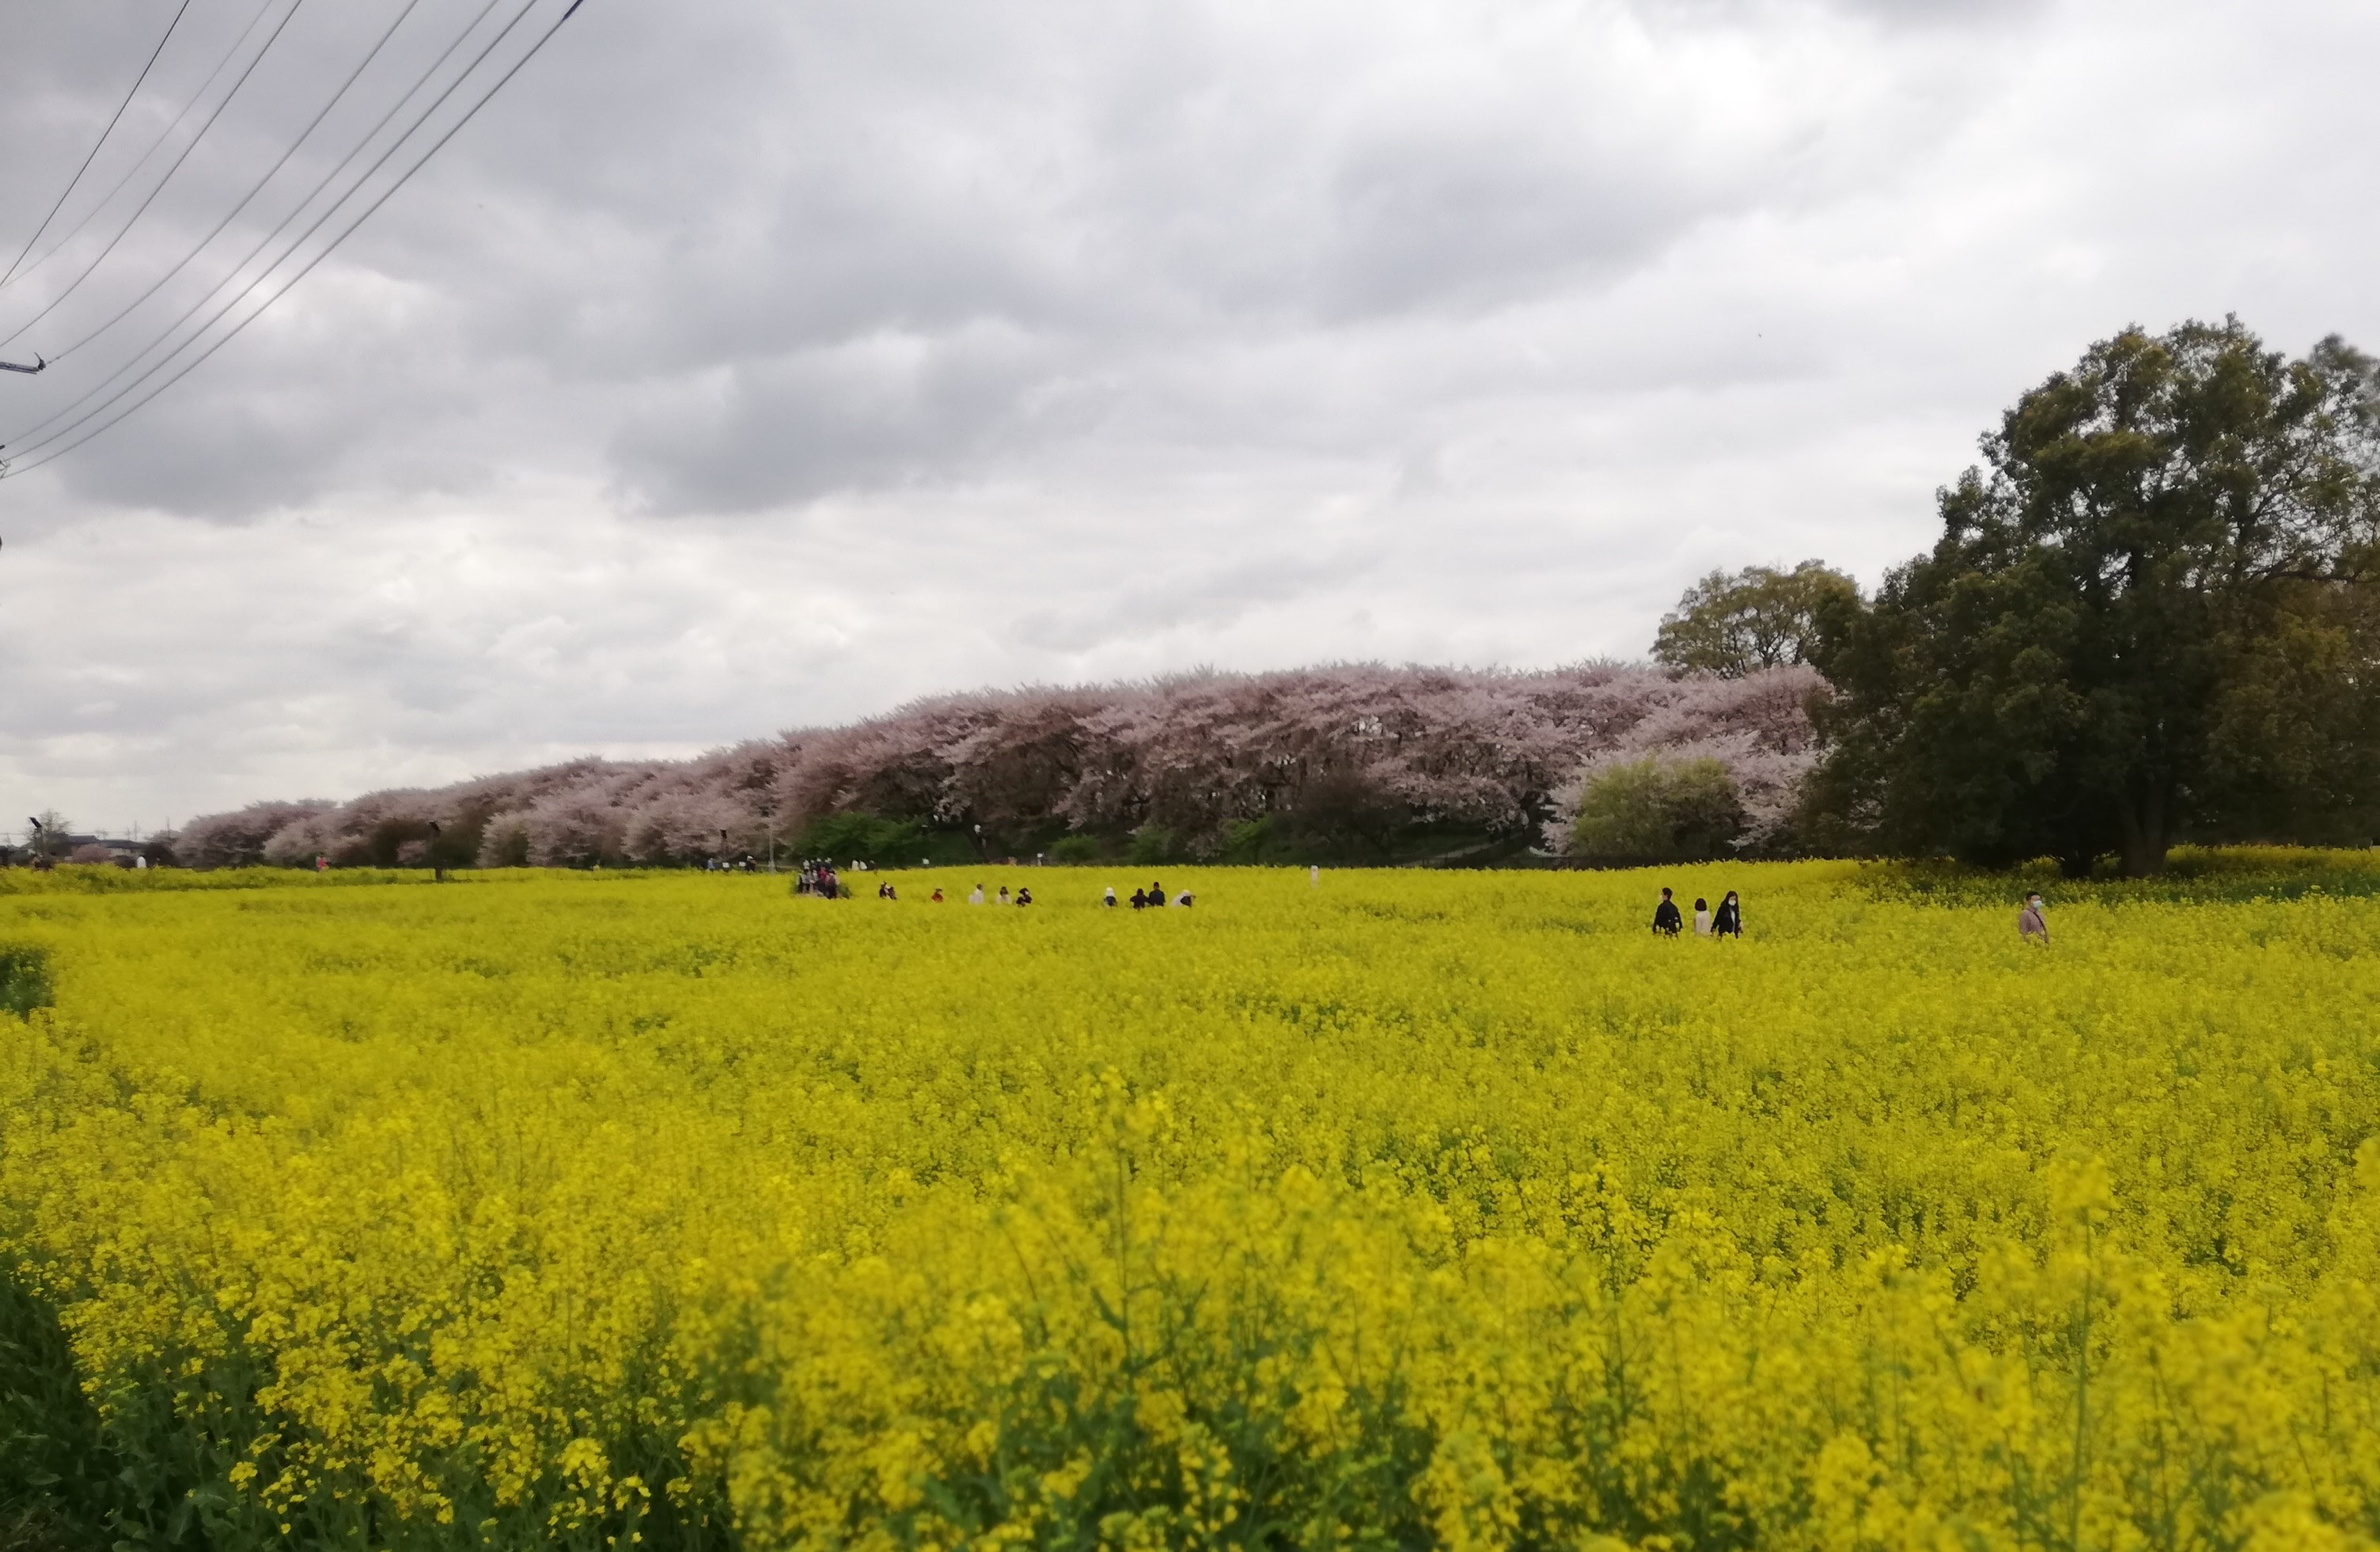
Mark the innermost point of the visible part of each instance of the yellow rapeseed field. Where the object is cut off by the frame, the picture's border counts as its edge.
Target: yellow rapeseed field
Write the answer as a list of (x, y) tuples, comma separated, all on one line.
[(1409, 1210)]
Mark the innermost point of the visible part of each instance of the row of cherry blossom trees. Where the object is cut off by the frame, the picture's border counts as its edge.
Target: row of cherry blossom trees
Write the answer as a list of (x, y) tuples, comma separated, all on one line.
[(1359, 761)]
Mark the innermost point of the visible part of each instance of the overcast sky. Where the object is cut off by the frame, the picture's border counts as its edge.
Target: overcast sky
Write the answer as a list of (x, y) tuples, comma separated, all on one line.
[(748, 364)]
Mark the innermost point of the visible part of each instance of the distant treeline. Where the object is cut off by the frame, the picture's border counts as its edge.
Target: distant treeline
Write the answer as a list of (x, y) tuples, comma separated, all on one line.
[(1351, 764), (2152, 618)]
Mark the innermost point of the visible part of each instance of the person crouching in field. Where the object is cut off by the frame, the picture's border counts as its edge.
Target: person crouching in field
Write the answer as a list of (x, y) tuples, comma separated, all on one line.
[(1666, 920), (1728, 922), (2030, 922)]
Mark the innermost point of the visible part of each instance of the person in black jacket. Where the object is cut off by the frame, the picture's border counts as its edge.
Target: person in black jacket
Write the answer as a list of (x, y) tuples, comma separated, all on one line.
[(1728, 922), (1666, 920)]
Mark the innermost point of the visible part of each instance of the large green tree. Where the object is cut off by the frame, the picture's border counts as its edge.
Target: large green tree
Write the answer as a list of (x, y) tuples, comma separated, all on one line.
[(1732, 623), (2144, 618)]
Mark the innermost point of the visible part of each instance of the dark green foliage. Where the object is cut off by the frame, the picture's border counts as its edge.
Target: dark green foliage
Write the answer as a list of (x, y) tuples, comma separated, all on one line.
[(844, 839), (1657, 810), (63, 1485), (1254, 841), (1346, 816), (1153, 843), (150, 1480), (2144, 620), (24, 978), (1077, 850), (2198, 875), (1758, 617)]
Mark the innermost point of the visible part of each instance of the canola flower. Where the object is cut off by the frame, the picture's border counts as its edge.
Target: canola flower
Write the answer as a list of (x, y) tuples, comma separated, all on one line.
[(1410, 1210)]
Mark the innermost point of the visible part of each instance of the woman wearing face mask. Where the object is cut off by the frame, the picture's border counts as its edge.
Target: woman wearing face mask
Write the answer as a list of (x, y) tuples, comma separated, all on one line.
[(1729, 919), (2030, 922)]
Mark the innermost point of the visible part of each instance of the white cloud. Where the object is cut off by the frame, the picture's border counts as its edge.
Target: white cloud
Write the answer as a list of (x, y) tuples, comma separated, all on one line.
[(750, 364)]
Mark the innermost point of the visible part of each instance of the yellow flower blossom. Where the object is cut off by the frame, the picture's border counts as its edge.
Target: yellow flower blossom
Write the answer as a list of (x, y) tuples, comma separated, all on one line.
[(1421, 1208)]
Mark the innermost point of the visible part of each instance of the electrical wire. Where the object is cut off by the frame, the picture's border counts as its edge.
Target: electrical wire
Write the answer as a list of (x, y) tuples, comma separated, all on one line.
[(204, 242), (101, 257), (76, 182), (104, 384), (366, 214), (263, 8)]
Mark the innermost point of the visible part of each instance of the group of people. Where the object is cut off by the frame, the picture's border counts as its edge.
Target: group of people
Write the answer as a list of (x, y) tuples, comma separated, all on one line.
[(2032, 923), (1669, 921), (975, 896), (1143, 899), (819, 880), (1726, 922)]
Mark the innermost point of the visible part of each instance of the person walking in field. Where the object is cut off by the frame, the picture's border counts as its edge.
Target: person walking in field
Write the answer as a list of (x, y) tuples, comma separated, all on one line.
[(1003, 894), (1666, 920), (1025, 895), (1140, 900), (1701, 918), (1728, 921), (2030, 922), (936, 898), (1155, 893), (1108, 899), (977, 898)]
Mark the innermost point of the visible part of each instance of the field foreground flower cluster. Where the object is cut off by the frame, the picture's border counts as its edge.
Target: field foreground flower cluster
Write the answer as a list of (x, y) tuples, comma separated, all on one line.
[(1410, 1210)]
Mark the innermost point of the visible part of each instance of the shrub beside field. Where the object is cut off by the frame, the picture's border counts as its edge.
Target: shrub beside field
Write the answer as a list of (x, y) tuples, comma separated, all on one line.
[(1413, 1209)]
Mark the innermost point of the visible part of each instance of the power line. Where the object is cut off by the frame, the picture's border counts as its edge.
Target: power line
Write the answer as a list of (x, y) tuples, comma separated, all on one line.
[(151, 149), (76, 182), (295, 6), (402, 178), (204, 242), (105, 383)]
